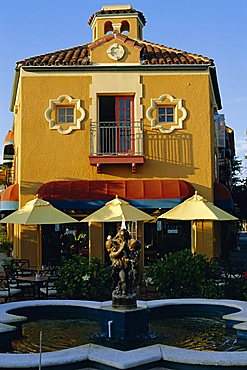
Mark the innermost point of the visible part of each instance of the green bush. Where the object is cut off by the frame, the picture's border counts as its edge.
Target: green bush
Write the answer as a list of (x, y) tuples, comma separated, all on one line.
[(5, 246), (236, 289), (184, 275), (79, 279)]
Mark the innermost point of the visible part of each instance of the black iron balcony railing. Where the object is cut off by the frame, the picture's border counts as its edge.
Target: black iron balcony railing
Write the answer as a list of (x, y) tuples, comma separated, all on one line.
[(115, 138)]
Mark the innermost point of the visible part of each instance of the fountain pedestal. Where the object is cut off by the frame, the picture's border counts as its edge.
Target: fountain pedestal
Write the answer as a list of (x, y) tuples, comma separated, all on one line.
[(124, 302), (123, 324)]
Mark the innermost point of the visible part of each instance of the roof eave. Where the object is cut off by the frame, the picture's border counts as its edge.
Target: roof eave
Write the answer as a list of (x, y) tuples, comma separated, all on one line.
[(213, 75), (119, 67), (14, 89)]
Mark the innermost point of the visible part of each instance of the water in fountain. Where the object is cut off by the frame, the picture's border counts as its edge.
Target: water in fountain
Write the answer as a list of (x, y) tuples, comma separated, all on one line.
[(198, 333)]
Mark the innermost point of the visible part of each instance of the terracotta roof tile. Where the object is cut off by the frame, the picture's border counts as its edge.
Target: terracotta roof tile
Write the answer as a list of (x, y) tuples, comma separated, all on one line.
[(121, 37), (167, 55), (118, 11), (78, 55), (150, 53)]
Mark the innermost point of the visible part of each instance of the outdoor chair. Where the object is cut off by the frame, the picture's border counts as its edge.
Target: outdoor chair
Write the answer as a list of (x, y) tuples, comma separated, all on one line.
[(19, 264), (6, 292), (236, 270), (221, 272), (11, 276), (49, 289)]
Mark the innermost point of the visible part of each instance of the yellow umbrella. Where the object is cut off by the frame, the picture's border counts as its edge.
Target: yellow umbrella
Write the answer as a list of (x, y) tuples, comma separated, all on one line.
[(197, 208), (38, 212), (117, 210)]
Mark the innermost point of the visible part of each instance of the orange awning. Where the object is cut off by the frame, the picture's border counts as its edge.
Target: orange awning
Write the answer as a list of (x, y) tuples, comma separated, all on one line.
[(9, 138), (10, 198), (223, 197), (93, 194)]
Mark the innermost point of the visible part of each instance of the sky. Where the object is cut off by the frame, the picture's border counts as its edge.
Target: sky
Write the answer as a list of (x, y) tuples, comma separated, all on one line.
[(213, 28)]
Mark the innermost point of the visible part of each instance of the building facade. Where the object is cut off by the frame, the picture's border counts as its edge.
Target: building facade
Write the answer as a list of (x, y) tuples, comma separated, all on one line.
[(118, 115)]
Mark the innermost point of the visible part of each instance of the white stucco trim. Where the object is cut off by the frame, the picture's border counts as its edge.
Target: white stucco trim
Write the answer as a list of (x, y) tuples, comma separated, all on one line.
[(178, 105), (59, 127), (85, 73)]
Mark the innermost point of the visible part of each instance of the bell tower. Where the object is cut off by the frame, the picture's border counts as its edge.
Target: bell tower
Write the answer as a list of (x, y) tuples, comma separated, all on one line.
[(117, 18)]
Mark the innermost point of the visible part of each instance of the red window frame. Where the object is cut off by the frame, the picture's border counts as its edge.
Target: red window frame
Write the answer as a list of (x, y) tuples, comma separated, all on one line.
[(124, 115)]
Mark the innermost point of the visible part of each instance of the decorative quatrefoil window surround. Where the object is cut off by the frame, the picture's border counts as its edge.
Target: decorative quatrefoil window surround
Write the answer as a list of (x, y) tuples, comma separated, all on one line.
[(166, 114), (64, 114)]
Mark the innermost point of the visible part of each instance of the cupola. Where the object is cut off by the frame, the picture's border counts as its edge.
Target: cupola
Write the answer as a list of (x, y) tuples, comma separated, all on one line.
[(117, 18)]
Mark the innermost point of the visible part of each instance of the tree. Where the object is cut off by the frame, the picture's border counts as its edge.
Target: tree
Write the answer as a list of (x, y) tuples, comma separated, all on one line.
[(239, 190), (240, 199)]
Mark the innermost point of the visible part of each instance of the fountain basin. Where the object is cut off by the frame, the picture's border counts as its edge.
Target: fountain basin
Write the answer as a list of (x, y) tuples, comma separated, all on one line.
[(235, 313)]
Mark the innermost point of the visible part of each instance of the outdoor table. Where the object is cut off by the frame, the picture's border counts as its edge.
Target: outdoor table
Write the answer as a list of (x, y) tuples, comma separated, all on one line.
[(32, 270), (35, 282)]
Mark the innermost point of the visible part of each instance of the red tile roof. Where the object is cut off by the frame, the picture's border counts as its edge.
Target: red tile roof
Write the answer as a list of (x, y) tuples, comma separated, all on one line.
[(150, 53), (118, 11), (160, 54), (125, 39), (77, 55)]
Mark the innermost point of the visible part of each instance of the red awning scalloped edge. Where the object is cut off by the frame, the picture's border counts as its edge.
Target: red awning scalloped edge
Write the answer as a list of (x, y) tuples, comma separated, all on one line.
[(108, 189)]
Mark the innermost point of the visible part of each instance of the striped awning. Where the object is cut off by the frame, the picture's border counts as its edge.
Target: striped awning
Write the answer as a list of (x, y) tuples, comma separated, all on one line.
[(10, 198)]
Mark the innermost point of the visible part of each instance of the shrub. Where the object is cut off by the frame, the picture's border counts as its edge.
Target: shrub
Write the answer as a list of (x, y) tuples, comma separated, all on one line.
[(6, 246), (182, 274), (79, 279), (236, 289)]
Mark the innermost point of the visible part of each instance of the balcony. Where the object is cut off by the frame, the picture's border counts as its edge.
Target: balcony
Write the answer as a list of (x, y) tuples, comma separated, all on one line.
[(118, 142), (6, 175)]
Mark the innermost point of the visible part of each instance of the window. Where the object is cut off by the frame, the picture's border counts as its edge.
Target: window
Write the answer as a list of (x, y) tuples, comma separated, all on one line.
[(65, 114), (108, 28), (125, 27), (166, 114)]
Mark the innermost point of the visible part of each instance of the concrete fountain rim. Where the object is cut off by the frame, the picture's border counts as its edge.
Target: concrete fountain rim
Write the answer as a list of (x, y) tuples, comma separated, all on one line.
[(123, 359)]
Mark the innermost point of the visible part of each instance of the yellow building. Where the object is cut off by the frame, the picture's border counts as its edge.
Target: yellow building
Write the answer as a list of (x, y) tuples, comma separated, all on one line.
[(118, 115)]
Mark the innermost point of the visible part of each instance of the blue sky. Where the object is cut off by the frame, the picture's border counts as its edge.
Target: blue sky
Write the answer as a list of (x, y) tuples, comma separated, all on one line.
[(213, 28)]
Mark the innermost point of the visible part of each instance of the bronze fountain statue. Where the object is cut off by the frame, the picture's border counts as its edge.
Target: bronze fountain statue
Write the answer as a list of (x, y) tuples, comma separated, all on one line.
[(124, 254)]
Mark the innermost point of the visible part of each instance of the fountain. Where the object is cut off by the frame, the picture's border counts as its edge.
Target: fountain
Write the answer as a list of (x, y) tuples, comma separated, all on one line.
[(124, 320), (13, 315)]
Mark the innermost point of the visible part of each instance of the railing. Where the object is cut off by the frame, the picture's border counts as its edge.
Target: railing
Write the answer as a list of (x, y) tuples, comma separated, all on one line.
[(115, 138), (7, 176)]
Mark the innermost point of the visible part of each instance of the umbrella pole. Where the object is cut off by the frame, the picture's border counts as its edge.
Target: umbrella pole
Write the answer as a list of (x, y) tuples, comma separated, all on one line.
[(203, 239), (39, 247), (193, 241)]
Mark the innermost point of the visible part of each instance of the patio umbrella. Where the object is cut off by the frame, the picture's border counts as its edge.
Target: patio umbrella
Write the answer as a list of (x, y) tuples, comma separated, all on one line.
[(38, 212), (117, 210), (197, 208)]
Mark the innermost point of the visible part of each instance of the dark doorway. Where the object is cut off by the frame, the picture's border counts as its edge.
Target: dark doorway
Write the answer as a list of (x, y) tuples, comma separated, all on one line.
[(116, 130)]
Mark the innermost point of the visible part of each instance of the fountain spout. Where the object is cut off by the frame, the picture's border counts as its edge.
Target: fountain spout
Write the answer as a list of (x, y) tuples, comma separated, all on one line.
[(109, 323)]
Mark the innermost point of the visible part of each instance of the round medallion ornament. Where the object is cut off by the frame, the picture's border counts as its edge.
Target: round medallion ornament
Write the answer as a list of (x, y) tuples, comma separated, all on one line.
[(115, 51)]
